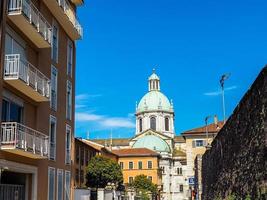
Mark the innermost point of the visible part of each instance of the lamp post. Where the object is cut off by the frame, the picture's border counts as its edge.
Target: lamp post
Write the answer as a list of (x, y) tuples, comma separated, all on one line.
[(222, 81), (207, 132)]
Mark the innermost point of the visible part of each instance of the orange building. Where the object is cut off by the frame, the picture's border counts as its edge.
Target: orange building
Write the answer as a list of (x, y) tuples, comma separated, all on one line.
[(37, 94), (136, 162)]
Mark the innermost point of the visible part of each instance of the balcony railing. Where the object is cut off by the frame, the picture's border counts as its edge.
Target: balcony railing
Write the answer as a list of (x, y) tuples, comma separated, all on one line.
[(64, 4), (17, 69), (33, 16), (31, 143)]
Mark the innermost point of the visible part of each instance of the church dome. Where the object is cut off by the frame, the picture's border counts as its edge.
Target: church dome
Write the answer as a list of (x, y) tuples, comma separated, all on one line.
[(153, 101), (152, 142)]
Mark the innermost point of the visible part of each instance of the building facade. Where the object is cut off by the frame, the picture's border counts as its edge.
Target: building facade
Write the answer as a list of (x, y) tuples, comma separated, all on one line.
[(155, 131), (84, 151), (135, 162), (37, 98), (197, 142)]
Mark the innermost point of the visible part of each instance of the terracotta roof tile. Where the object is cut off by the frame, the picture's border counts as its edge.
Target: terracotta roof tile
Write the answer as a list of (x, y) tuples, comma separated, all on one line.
[(135, 152), (212, 128), (115, 141), (179, 138)]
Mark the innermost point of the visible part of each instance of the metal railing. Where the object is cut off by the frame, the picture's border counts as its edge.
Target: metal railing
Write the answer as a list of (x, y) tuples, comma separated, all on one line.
[(71, 15), (11, 192), (17, 136), (16, 68), (33, 15)]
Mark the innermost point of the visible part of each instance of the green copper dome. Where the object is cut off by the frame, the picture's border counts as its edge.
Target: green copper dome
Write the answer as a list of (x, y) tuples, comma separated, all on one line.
[(152, 142), (153, 101)]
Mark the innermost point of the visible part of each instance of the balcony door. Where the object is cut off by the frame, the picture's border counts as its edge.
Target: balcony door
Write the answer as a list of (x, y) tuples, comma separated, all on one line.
[(11, 112), (14, 45)]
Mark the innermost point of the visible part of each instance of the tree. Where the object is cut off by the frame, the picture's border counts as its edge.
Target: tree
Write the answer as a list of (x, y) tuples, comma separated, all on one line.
[(142, 184), (102, 171)]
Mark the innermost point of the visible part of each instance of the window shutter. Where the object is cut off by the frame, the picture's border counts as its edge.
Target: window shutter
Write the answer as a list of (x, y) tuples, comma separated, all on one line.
[(194, 143)]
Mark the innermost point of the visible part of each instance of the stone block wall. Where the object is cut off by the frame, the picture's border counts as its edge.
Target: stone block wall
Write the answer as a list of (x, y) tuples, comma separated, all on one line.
[(236, 163)]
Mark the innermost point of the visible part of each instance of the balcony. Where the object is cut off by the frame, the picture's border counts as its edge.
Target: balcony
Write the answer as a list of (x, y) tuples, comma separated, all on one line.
[(26, 78), (21, 140), (30, 21), (77, 2), (64, 14)]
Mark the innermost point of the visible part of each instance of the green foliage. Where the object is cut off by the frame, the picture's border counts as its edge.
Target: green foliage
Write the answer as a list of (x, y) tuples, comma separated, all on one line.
[(231, 197), (248, 197), (102, 171), (143, 184)]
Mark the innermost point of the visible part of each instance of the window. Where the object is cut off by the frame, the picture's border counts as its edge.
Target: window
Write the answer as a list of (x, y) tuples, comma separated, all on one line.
[(68, 145), (69, 100), (130, 165), (131, 180), (55, 42), (82, 177), (86, 157), (180, 171), (59, 184), (67, 185), (167, 124), (82, 156), (199, 143), (14, 44), (70, 58), (163, 170), (150, 178), (140, 125), (181, 188), (153, 125), (121, 165), (77, 153), (77, 176), (51, 183), (52, 142), (11, 112), (53, 102), (140, 165), (149, 165)]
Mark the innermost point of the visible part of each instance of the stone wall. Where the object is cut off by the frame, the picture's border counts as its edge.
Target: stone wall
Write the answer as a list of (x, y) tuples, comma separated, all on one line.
[(235, 165)]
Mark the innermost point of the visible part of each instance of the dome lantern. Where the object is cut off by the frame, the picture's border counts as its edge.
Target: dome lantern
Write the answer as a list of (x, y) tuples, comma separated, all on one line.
[(154, 82)]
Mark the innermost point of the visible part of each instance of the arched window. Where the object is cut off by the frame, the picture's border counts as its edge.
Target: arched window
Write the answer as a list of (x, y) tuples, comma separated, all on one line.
[(167, 124), (140, 125), (153, 124)]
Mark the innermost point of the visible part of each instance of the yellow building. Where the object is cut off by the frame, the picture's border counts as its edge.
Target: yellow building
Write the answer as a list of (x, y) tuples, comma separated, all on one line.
[(197, 142), (136, 162)]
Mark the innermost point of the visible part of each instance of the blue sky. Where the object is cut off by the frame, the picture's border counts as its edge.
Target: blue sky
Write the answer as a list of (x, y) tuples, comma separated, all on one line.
[(191, 43)]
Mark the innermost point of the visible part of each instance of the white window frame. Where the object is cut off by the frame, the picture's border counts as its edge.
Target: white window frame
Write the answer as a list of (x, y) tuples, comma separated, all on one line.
[(69, 107), (69, 57), (48, 191), (54, 120), (54, 70), (195, 143), (68, 161), (54, 24), (65, 185), (60, 171), (148, 164)]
